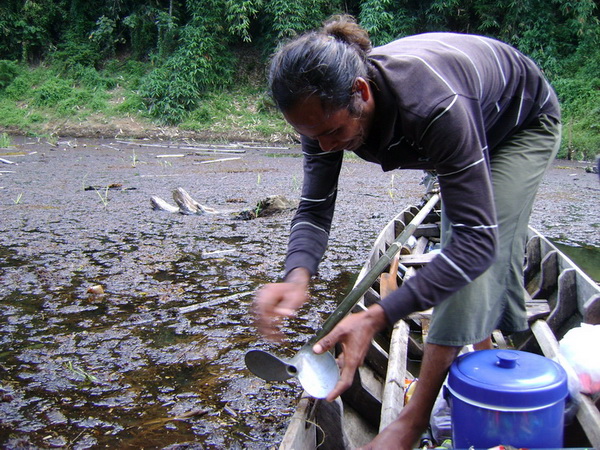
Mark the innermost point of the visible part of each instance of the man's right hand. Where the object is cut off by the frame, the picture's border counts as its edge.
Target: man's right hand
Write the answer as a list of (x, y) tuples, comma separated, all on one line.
[(277, 300)]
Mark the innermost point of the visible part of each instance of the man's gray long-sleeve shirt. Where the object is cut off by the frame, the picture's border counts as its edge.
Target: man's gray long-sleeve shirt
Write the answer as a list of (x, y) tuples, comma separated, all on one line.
[(443, 102)]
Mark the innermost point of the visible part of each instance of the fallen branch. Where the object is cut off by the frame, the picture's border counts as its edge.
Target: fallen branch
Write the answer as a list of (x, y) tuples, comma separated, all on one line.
[(217, 160), (187, 415)]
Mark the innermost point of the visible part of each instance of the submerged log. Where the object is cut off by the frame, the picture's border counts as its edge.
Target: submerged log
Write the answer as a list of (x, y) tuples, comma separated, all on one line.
[(158, 204), (187, 205)]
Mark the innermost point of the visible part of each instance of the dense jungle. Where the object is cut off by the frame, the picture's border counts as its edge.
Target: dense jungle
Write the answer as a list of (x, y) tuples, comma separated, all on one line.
[(197, 67)]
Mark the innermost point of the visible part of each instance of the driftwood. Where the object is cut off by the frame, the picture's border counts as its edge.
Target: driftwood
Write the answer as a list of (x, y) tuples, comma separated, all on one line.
[(188, 206), (200, 148), (110, 187)]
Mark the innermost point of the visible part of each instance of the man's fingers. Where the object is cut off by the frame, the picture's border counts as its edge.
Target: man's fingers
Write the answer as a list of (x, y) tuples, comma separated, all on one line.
[(283, 311), (345, 382), (268, 325), (321, 347), (325, 343)]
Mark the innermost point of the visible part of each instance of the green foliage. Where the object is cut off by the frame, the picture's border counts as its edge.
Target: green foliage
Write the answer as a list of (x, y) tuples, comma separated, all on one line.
[(52, 92), (283, 19), (244, 110), (169, 95), (548, 31), (18, 89), (91, 78), (104, 36), (5, 140), (174, 59), (580, 99), (82, 103), (150, 29), (577, 83), (9, 70), (239, 15), (17, 118), (67, 100), (202, 62), (27, 28), (132, 104), (126, 73), (385, 20), (75, 53)]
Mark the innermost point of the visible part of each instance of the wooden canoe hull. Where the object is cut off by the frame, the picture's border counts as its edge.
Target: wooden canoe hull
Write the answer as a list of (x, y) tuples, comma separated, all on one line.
[(562, 296)]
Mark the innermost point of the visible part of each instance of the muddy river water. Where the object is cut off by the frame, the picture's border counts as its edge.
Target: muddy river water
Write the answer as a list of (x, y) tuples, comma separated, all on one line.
[(155, 360)]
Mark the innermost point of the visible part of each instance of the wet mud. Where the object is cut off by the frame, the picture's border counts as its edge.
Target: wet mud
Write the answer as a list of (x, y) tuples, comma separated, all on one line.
[(154, 358)]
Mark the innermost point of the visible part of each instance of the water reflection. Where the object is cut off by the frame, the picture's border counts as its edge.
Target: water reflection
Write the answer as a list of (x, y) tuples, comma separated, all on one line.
[(586, 257)]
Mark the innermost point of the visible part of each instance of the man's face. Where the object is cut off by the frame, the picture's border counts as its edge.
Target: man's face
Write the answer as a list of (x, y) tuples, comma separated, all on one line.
[(335, 131)]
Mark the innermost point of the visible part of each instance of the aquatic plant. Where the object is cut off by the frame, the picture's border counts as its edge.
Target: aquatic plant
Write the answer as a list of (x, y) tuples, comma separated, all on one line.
[(391, 188), (87, 377), (5, 140), (103, 198)]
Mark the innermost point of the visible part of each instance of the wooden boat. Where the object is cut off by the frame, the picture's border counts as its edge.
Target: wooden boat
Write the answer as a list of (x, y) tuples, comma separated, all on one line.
[(561, 297)]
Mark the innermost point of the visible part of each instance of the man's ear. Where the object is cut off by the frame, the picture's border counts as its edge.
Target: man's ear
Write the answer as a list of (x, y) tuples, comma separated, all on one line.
[(361, 86)]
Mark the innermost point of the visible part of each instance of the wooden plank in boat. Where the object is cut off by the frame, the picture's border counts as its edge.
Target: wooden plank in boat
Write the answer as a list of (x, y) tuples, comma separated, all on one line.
[(393, 393), (416, 260), (591, 310), (427, 230), (377, 358), (547, 277), (422, 243), (499, 339), (365, 395), (358, 432), (588, 415), (536, 309), (532, 263), (566, 301), (371, 296), (392, 399), (415, 348), (301, 432)]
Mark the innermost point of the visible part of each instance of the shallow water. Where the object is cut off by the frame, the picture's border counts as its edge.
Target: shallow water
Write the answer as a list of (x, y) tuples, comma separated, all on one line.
[(586, 257), (157, 360)]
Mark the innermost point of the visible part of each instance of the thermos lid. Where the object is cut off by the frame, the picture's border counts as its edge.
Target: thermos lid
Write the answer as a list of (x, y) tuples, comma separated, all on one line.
[(508, 378)]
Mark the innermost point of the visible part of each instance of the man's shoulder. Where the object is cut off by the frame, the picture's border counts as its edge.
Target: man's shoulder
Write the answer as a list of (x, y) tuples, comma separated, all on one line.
[(431, 42)]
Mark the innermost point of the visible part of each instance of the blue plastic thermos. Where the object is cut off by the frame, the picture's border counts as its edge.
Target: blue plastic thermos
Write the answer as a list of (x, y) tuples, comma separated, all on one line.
[(506, 397)]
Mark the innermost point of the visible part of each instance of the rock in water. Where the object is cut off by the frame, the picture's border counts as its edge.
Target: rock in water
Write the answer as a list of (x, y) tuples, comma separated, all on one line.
[(271, 205)]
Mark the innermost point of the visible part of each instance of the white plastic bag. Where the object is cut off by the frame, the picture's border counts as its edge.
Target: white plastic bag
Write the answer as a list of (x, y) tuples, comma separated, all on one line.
[(440, 421), (581, 349)]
